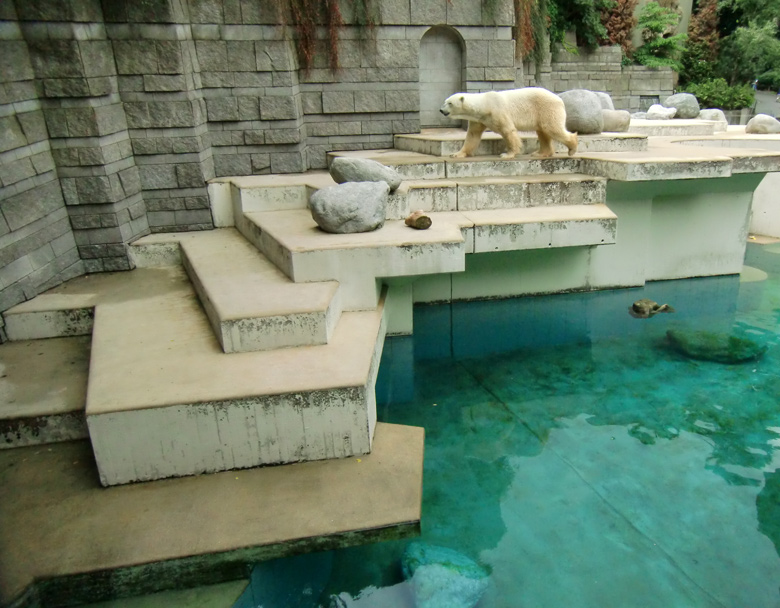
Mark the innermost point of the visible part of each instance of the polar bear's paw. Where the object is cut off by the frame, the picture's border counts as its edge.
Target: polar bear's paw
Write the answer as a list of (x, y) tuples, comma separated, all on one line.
[(459, 154), (507, 155)]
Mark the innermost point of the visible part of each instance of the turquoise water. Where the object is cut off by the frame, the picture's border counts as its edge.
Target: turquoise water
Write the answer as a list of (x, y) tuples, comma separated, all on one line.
[(577, 457)]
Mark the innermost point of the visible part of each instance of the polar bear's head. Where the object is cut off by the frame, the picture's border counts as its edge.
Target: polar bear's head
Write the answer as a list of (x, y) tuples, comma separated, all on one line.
[(454, 105)]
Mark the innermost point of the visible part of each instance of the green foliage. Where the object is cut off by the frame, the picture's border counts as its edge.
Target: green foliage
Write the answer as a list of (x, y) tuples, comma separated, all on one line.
[(753, 11), (716, 93), (770, 80), (749, 52), (701, 51), (582, 16), (661, 48)]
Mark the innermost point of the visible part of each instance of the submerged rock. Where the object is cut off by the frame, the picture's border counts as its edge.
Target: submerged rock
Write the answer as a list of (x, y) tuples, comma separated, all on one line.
[(442, 577), (711, 346), (644, 308)]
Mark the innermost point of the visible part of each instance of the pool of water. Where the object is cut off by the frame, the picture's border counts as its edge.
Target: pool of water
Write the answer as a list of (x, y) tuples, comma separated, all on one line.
[(577, 457)]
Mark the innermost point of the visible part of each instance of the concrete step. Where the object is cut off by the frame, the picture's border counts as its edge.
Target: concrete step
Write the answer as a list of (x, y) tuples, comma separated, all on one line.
[(250, 303), (46, 406), (445, 142), (164, 401), (292, 240), (474, 193)]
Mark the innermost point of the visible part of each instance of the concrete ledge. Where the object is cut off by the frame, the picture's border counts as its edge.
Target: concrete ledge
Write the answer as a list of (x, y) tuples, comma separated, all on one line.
[(66, 540), (50, 316)]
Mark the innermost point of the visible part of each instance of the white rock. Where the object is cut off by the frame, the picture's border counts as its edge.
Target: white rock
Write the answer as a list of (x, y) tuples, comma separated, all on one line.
[(717, 116), (658, 112), (583, 111), (616, 121), (349, 169), (687, 105), (350, 207), (606, 100), (762, 124)]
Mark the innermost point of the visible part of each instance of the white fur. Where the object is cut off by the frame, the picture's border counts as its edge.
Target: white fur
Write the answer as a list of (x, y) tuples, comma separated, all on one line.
[(506, 112)]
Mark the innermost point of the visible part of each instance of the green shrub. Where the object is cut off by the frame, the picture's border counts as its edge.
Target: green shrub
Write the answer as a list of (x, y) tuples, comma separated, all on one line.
[(716, 93), (661, 48), (770, 80)]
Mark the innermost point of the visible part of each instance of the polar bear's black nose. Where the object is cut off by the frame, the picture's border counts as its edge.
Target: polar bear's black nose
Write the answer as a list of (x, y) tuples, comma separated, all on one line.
[(443, 111)]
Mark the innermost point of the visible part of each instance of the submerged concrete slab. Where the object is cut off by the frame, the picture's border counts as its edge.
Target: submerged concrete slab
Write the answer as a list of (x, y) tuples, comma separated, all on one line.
[(65, 540), (43, 389)]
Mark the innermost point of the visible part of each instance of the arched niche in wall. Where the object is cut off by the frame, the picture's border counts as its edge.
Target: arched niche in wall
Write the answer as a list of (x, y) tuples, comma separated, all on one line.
[(442, 71)]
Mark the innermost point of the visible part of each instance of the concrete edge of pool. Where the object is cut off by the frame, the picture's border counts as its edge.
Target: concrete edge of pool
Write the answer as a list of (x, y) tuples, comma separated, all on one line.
[(66, 540)]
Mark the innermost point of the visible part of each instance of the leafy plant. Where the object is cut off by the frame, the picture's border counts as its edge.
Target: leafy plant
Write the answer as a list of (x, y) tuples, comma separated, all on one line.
[(770, 80), (661, 48), (701, 51), (716, 93), (531, 19), (582, 16), (619, 21), (748, 52)]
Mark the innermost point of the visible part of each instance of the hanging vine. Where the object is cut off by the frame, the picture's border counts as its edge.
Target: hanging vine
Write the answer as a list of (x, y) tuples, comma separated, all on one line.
[(305, 16), (532, 23)]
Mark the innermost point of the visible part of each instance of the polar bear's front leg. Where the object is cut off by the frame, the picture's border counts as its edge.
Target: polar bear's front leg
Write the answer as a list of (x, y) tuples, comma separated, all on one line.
[(473, 137)]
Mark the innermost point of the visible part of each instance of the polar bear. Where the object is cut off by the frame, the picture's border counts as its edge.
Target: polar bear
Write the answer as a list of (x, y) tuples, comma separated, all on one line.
[(506, 112)]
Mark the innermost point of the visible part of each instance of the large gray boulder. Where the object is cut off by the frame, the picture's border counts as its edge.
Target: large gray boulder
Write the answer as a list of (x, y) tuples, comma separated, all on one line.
[(350, 207), (616, 121), (762, 124), (583, 111), (687, 105), (659, 112), (347, 169), (442, 577), (717, 116), (606, 100)]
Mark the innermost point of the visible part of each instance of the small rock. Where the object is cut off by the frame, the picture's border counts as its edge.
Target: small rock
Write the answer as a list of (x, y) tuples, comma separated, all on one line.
[(644, 308), (616, 121), (443, 578), (717, 116), (762, 124), (583, 111), (639, 115), (687, 105), (711, 346), (348, 169), (606, 100), (350, 207), (418, 220), (658, 112)]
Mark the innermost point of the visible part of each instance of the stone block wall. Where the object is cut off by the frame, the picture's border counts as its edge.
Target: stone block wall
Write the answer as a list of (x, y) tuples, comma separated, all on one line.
[(115, 114)]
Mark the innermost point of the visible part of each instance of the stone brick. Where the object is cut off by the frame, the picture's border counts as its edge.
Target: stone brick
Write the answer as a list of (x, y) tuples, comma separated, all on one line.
[(95, 189), (32, 205), (218, 80), (254, 137), (397, 12), (93, 265), (212, 55), (169, 57), (196, 202), (248, 108), (241, 56), (55, 58), (54, 88), (312, 102), (81, 122), (11, 135), (261, 163), (192, 216), (116, 264), (477, 53), (101, 85), (402, 101), (252, 80), (131, 180), (350, 127), (274, 56), (464, 12), (164, 114), (98, 57), (369, 101), (222, 109), (14, 61), (184, 145), (322, 129), (377, 127), (232, 164), (285, 79), (43, 162), (16, 171), (501, 53), (338, 102), (206, 11), (156, 82), (278, 108), (85, 222), (153, 11), (157, 177), (145, 146), (135, 56), (396, 54), (287, 162), (66, 157), (427, 12), (137, 210), (282, 136), (500, 74), (189, 175), (17, 91)]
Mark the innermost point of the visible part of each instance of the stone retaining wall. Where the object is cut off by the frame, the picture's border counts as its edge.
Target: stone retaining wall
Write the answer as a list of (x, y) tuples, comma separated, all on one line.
[(115, 113)]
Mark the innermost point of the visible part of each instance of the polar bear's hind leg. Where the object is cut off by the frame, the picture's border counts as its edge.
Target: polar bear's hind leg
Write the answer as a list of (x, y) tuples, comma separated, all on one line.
[(509, 133), (545, 145), (473, 137)]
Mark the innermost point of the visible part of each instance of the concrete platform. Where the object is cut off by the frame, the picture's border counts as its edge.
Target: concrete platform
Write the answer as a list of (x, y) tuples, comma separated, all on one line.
[(65, 540), (250, 303), (43, 390)]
